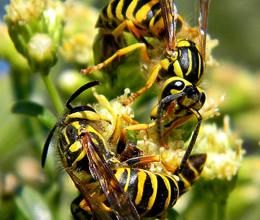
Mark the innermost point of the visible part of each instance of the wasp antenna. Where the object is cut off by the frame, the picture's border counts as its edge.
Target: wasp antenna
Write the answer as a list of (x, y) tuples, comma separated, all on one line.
[(79, 91), (47, 143), (203, 24), (160, 110), (192, 141)]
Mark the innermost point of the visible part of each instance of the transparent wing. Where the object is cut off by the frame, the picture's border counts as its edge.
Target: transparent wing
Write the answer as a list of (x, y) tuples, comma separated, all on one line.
[(170, 18), (85, 192), (203, 24), (118, 200)]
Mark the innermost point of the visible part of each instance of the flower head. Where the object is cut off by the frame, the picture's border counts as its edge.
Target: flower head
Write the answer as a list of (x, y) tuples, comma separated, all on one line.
[(224, 157)]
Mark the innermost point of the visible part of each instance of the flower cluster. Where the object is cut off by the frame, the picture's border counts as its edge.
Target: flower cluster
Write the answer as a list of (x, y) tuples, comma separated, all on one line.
[(224, 157)]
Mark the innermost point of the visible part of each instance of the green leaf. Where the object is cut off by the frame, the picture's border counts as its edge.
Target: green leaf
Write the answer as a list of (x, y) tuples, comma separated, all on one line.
[(34, 110), (32, 205)]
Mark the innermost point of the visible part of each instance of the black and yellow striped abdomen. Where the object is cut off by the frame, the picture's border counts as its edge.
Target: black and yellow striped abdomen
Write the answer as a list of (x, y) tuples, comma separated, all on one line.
[(151, 193), (145, 15)]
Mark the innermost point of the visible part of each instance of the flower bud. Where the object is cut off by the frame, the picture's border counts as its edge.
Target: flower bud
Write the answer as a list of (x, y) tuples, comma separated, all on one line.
[(26, 21), (42, 54)]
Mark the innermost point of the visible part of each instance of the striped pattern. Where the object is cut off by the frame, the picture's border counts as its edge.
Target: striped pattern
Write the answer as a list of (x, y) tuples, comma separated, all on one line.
[(188, 64), (70, 144), (151, 193), (144, 14), (191, 172)]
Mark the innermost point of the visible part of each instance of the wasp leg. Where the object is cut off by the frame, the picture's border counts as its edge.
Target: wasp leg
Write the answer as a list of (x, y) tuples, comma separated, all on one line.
[(192, 141), (118, 124), (151, 80), (129, 120), (163, 216), (101, 199), (135, 125), (142, 160), (103, 100), (176, 124), (119, 133), (194, 136), (118, 130), (169, 167), (120, 53), (132, 28)]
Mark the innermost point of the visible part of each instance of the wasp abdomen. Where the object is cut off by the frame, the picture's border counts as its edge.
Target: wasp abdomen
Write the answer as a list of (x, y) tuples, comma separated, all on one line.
[(145, 15), (151, 193)]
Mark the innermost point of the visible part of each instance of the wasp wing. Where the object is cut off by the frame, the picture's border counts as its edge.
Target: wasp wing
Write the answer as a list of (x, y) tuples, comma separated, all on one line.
[(120, 203), (85, 192), (203, 24), (170, 18)]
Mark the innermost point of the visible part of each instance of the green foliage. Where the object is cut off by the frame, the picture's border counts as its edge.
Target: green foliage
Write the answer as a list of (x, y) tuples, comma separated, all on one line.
[(34, 110)]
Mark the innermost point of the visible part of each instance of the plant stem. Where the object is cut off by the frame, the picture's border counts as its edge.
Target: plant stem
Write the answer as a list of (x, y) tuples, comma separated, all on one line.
[(53, 93), (221, 210)]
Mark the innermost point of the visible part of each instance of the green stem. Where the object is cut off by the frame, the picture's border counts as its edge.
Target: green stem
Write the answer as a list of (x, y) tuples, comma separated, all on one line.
[(221, 210), (53, 93)]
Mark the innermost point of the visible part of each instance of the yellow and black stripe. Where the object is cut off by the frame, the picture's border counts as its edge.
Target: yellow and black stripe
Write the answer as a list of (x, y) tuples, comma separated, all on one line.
[(71, 127), (70, 143), (145, 15), (187, 62), (84, 154), (191, 172), (151, 193)]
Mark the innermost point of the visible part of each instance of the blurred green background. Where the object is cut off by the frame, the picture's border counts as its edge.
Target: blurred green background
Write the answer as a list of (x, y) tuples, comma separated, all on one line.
[(236, 24)]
